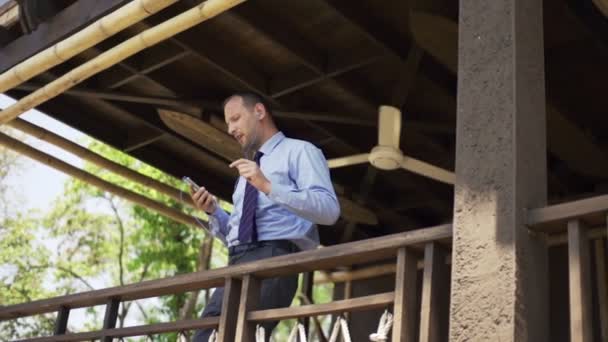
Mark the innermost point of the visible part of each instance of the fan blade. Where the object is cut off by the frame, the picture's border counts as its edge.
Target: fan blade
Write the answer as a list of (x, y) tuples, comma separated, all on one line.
[(389, 126), (350, 160), (428, 170)]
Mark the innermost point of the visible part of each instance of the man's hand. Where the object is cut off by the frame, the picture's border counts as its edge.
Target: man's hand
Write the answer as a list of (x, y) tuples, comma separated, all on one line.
[(204, 200), (252, 173)]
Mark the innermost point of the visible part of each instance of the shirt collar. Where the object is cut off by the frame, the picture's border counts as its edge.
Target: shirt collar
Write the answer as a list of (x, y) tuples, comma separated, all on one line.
[(271, 143)]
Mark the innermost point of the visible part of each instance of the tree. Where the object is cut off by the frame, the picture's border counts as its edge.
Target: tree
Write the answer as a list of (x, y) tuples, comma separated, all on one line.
[(90, 239)]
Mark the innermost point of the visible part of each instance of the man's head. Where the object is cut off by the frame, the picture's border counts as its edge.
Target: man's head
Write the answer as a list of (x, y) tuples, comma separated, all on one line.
[(248, 119)]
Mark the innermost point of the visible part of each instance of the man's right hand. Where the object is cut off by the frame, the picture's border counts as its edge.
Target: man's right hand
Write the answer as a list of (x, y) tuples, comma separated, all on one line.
[(204, 200)]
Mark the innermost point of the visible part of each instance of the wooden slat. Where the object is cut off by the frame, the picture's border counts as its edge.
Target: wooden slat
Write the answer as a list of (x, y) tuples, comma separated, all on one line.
[(142, 330), (405, 310), (109, 321), (60, 26), (61, 323), (602, 286), (250, 295), (325, 258), (580, 283), (553, 218), (562, 238), (433, 307), (230, 306), (307, 291), (346, 305)]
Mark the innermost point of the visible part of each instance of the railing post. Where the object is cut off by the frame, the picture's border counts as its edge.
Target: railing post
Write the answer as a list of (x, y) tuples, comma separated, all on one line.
[(405, 311), (307, 284), (109, 320), (580, 283), (435, 294), (230, 310), (602, 287), (61, 323), (250, 295)]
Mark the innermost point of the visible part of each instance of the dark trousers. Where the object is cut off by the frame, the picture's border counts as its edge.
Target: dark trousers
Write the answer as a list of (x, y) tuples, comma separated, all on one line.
[(275, 292)]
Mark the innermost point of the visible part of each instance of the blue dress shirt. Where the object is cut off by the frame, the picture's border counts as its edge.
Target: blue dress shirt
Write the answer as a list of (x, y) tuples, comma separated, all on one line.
[(301, 196)]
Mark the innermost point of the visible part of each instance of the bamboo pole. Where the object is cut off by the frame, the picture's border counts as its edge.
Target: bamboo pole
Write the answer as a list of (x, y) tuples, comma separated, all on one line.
[(96, 159), (149, 37), (127, 15), (62, 166)]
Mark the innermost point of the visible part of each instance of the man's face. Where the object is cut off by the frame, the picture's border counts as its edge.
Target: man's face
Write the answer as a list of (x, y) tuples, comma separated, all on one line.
[(241, 122)]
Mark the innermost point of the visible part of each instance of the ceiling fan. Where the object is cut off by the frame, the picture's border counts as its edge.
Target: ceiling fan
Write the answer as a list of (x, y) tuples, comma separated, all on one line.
[(387, 155)]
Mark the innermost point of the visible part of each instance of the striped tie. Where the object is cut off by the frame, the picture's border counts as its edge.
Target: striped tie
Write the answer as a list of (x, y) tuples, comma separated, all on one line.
[(247, 229)]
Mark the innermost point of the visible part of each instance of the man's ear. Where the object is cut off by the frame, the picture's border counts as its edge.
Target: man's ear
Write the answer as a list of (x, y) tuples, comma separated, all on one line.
[(259, 110)]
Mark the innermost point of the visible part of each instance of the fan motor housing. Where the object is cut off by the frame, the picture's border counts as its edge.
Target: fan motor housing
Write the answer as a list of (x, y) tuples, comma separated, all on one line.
[(386, 157)]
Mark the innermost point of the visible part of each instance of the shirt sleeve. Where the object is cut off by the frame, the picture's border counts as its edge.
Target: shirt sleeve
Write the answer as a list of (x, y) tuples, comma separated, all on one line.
[(218, 224), (312, 197)]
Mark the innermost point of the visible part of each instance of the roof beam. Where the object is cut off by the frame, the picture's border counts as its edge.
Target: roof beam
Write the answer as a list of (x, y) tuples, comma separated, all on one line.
[(73, 18)]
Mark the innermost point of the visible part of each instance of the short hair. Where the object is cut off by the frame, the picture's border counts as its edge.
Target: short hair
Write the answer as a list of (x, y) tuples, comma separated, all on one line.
[(250, 99)]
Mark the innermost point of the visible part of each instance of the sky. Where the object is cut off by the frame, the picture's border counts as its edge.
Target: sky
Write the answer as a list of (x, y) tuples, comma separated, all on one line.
[(37, 185)]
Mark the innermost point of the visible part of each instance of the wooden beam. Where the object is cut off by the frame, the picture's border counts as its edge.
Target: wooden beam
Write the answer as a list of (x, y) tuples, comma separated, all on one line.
[(602, 287), (346, 254), (191, 107), (62, 166), (73, 18), (405, 310), (250, 296), (371, 302), (142, 330), (554, 218), (435, 293), (9, 14), (579, 270), (230, 309), (61, 323), (109, 320)]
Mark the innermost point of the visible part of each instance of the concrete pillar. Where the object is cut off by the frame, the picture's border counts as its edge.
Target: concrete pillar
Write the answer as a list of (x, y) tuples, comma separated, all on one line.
[(499, 271)]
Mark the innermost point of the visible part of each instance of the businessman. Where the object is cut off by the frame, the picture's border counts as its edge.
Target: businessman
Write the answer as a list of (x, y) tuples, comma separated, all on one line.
[(284, 191)]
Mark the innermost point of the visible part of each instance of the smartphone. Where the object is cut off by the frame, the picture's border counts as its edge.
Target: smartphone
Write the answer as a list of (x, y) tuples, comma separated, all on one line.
[(191, 183)]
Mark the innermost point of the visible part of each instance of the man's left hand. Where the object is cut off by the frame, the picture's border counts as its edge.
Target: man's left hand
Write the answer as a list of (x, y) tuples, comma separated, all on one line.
[(253, 174)]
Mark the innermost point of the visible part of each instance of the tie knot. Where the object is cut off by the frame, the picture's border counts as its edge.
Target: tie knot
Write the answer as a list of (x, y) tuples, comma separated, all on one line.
[(257, 156)]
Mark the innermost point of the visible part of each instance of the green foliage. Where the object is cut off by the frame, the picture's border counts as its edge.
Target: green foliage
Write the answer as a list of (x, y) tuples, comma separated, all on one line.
[(90, 239)]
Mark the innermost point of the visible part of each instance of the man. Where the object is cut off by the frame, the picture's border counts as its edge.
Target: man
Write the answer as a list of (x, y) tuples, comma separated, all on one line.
[(282, 193)]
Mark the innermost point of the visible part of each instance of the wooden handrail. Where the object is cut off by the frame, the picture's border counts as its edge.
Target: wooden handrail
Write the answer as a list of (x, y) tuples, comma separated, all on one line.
[(142, 330), (339, 306), (554, 218), (325, 258)]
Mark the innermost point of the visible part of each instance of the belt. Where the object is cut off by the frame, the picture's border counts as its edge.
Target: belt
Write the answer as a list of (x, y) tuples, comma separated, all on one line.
[(283, 244)]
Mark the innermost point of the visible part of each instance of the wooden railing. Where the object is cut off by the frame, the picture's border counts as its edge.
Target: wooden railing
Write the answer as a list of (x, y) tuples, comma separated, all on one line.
[(576, 224), (241, 282), (580, 224)]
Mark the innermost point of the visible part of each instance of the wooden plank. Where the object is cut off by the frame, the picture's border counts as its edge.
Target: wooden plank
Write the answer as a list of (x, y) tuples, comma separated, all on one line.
[(142, 330), (61, 323), (230, 306), (553, 218), (580, 283), (73, 18), (109, 320), (562, 238), (602, 286), (346, 305), (250, 295), (307, 290), (433, 322), (405, 310), (325, 258)]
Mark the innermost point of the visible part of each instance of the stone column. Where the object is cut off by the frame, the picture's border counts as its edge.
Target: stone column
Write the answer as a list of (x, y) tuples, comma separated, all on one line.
[(499, 274)]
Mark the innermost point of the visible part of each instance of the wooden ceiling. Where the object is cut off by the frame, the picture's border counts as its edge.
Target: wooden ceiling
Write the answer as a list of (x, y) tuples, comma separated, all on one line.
[(325, 66)]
